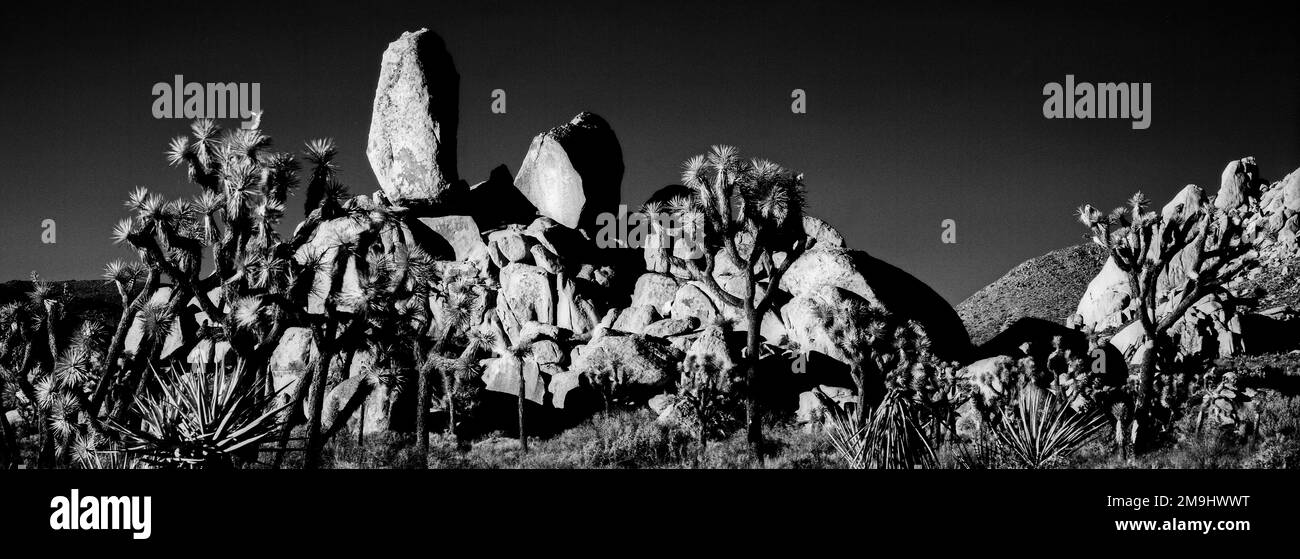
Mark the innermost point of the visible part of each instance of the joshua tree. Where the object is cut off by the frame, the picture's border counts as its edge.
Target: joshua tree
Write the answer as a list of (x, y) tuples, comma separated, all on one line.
[(126, 277), (1144, 243), (459, 295), (53, 368), (751, 212), (243, 188), (879, 347)]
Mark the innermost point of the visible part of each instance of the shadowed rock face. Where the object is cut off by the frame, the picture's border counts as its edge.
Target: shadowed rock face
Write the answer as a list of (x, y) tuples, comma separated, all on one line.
[(573, 172), (883, 286), (412, 144)]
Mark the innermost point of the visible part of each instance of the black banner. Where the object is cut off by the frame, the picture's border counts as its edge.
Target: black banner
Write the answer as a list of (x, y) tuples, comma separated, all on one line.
[(720, 509)]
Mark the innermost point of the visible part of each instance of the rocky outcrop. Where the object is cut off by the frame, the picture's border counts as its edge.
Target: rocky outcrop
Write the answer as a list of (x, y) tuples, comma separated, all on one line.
[(824, 320), (637, 365), (573, 172), (884, 287), (412, 144)]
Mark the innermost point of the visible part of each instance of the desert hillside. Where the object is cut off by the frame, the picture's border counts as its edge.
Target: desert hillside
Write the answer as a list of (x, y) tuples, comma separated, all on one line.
[(1047, 287)]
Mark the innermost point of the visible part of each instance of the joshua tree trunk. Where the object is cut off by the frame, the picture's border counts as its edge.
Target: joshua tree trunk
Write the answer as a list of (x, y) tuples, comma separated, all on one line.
[(43, 435), (523, 436), (449, 393), (286, 428), (129, 309), (8, 440), (753, 415), (422, 406), (326, 344), (422, 410)]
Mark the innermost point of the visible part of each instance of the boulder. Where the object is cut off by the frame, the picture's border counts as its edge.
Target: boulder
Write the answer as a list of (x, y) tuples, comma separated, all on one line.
[(371, 405), (460, 233), (1290, 191), (657, 290), (502, 374), (822, 233), (546, 352), (575, 307), (561, 384), (323, 248), (1105, 304), (670, 327), (884, 287), (1131, 341), (573, 172), (711, 346), (412, 143), (514, 246), (636, 319), (1191, 198), (829, 337), (135, 336), (293, 354), (545, 259), (994, 379), (207, 352), (637, 365), (812, 413), (528, 292), (1234, 186), (691, 301)]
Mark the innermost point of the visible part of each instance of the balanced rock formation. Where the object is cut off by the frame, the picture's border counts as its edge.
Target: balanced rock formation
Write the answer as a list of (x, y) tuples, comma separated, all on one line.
[(412, 144), (573, 172)]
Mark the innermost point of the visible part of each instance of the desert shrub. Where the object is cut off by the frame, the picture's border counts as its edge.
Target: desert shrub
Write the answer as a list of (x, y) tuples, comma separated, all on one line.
[(619, 439), (1280, 453), (1042, 431)]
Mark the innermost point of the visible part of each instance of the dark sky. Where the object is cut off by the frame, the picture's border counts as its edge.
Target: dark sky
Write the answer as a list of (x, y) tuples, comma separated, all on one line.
[(915, 115)]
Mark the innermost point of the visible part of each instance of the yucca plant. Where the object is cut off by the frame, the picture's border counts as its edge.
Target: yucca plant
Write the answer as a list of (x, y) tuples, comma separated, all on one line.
[(199, 420), (892, 439), (1042, 430)]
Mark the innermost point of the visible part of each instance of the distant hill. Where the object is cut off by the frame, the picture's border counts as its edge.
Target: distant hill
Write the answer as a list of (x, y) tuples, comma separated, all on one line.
[(1047, 287), (88, 299)]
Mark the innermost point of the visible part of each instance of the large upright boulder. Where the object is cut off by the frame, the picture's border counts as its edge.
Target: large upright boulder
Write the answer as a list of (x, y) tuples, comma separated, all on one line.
[(1236, 186), (573, 172), (412, 144)]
